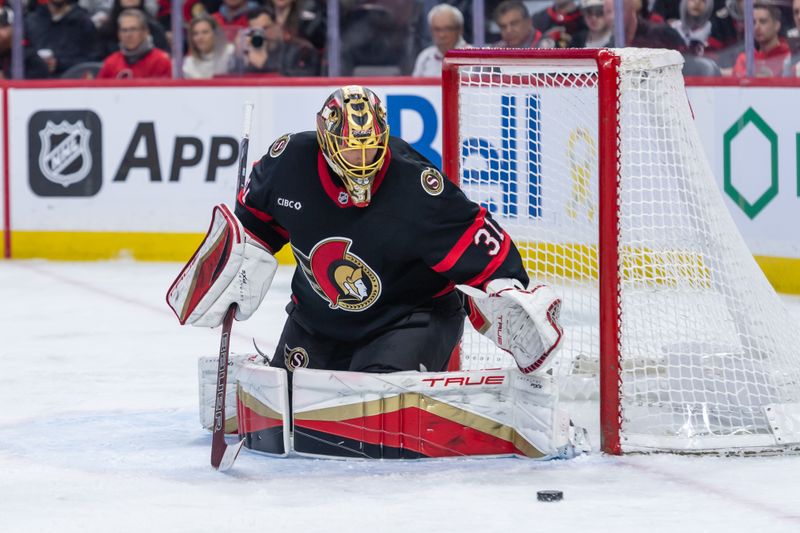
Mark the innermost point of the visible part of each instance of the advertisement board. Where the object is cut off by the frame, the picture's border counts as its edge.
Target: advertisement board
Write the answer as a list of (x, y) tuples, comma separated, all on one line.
[(105, 171), (98, 172), (751, 137)]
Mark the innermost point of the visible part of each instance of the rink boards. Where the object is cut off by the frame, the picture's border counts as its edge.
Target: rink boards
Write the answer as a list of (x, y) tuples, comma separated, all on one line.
[(102, 170)]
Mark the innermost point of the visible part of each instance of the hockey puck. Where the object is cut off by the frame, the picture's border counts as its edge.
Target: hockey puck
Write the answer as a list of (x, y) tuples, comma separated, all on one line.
[(549, 495)]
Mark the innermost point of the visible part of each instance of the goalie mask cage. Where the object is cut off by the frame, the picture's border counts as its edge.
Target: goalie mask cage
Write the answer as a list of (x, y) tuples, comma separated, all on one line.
[(590, 161)]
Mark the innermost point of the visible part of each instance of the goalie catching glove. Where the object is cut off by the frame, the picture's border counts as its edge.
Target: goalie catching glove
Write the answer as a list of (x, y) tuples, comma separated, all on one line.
[(525, 323), (230, 267)]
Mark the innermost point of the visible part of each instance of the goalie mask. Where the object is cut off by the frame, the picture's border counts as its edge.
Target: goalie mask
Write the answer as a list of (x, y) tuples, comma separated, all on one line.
[(353, 135)]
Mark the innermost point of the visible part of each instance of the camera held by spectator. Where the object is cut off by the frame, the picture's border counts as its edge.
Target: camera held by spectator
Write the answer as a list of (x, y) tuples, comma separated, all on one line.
[(256, 38), (263, 48)]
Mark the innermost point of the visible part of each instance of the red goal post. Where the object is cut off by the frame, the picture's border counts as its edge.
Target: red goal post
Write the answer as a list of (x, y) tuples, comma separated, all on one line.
[(589, 159)]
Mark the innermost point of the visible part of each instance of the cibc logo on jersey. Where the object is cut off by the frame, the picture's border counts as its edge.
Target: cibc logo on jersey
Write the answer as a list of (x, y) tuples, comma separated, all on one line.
[(291, 204), (338, 276)]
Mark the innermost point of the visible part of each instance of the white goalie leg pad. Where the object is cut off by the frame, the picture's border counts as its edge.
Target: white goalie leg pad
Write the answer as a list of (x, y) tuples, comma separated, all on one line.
[(263, 413), (430, 414), (229, 267), (207, 387), (256, 402), (525, 323)]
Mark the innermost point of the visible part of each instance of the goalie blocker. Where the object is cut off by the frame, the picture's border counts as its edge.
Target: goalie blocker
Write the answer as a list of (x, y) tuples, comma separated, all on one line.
[(231, 266), (404, 415)]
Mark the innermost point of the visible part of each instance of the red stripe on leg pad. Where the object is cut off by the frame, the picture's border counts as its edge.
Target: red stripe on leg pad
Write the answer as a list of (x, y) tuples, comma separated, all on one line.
[(417, 430)]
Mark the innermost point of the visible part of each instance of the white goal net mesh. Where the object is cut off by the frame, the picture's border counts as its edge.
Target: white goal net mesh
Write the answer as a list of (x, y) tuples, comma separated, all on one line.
[(708, 355)]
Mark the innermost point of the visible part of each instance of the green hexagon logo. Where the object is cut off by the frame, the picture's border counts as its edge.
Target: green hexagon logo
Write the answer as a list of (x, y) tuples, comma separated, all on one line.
[(751, 117)]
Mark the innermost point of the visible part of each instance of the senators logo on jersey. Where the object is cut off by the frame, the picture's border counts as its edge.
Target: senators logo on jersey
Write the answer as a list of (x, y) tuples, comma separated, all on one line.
[(432, 181), (295, 357), (279, 145), (341, 278)]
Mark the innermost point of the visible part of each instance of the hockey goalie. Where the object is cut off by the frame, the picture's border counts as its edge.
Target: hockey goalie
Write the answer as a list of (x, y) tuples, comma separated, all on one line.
[(388, 251)]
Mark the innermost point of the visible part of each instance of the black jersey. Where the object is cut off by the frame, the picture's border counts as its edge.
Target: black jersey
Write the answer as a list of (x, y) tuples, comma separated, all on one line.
[(360, 270)]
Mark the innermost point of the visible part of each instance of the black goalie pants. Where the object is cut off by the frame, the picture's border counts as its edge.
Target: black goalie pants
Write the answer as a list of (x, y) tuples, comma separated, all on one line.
[(423, 340)]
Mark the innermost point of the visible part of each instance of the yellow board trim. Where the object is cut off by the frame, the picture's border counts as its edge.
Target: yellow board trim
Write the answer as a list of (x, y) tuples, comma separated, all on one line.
[(92, 246), (782, 272), (558, 260), (580, 262)]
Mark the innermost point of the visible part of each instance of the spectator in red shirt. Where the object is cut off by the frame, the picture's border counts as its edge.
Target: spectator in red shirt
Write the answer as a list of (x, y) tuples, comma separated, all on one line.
[(232, 16), (516, 27), (137, 57), (108, 32), (773, 54), (563, 14)]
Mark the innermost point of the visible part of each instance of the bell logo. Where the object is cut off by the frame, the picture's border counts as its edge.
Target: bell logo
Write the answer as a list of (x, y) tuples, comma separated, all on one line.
[(501, 167), (65, 153)]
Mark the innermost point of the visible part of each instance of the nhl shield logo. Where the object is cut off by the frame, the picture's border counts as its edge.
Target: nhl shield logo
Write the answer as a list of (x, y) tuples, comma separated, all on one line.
[(65, 153), (64, 156)]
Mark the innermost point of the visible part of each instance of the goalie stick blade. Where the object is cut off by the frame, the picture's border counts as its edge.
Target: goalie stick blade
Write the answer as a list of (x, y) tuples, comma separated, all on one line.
[(224, 461)]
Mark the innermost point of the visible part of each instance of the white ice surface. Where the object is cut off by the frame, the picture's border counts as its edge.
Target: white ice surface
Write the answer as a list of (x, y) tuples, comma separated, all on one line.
[(99, 433)]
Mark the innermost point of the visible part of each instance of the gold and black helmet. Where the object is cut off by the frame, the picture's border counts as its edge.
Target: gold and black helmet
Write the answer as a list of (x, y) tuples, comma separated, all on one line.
[(350, 126)]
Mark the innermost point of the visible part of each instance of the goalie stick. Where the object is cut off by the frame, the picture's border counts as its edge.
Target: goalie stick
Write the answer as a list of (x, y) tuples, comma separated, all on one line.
[(223, 455)]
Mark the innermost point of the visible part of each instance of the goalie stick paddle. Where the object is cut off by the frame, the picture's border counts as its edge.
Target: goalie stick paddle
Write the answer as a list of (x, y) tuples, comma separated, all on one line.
[(222, 454)]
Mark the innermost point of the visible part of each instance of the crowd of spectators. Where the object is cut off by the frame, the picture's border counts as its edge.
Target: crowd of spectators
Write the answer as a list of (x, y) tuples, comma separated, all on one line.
[(133, 38), (119, 39)]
